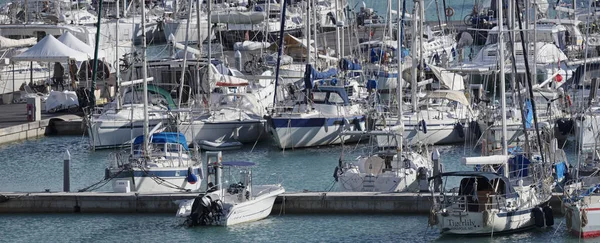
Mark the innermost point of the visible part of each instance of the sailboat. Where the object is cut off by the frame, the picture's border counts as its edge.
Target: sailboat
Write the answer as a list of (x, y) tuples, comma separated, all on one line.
[(388, 166), (321, 115), (506, 193), (226, 205), (158, 162)]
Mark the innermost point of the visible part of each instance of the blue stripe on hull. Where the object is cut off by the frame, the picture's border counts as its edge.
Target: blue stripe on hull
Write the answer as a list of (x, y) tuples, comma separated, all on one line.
[(162, 173), (311, 122)]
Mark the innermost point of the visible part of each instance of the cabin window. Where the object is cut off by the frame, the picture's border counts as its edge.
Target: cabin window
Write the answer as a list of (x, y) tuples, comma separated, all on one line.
[(335, 98), (319, 97), (171, 147)]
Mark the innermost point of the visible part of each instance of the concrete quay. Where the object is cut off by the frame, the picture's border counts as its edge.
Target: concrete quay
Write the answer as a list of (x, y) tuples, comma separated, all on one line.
[(15, 127), (288, 203)]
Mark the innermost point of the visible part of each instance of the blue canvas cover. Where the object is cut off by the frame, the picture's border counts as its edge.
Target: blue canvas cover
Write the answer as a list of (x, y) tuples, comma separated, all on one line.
[(528, 114), (346, 64), (164, 137), (311, 74), (561, 170)]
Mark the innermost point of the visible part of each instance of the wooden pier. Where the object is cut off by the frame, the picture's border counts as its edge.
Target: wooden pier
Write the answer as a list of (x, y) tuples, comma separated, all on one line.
[(288, 203)]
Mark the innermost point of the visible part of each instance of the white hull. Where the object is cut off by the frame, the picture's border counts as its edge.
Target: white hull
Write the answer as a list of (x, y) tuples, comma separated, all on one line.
[(153, 181), (589, 215), (116, 133), (243, 131), (298, 137), (469, 223), (178, 30), (253, 210)]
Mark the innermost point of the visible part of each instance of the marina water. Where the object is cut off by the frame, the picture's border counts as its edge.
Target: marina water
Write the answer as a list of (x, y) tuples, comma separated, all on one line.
[(36, 165)]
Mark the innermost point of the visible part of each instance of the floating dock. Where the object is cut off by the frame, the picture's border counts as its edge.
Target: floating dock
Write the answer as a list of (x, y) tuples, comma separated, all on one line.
[(288, 203)]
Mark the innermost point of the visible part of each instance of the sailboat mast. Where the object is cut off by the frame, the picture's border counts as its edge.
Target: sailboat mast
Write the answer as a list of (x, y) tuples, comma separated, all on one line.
[(415, 56), (389, 22), (279, 50), (502, 81), (185, 51), (117, 68), (399, 78), (308, 10), (145, 79), (338, 49)]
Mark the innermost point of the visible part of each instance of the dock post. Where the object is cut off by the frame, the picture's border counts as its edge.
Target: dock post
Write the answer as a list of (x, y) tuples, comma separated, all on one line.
[(66, 173), (435, 157)]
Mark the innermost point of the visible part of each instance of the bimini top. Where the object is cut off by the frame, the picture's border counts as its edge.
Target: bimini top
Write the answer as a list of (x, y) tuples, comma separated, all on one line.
[(237, 163), (489, 176), (164, 137)]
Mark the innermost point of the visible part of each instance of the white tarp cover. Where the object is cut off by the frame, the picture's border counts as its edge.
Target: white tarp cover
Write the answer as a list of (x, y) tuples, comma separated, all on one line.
[(50, 49), (71, 41), (453, 95), (220, 80), (58, 100), (250, 45), (486, 160), (449, 80), (6, 43), (235, 17)]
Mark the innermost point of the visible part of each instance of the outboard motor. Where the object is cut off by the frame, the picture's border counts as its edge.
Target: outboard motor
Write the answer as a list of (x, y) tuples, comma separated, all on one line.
[(205, 211)]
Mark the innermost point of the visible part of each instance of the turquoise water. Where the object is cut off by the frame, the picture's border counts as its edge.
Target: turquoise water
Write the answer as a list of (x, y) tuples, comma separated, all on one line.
[(36, 165), (284, 228)]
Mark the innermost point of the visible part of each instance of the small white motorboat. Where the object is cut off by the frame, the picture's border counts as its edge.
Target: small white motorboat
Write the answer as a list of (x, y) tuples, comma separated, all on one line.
[(239, 202), (220, 145)]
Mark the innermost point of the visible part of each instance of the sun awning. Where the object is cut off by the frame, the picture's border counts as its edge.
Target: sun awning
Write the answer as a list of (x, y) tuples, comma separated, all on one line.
[(50, 49)]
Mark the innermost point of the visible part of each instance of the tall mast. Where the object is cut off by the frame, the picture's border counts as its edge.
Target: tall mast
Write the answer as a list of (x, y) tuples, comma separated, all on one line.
[(399, 78), (338, 49), (145, 79), (185, 52), (502, 82), (279, 50), (415, 56), (389, 22), (308, 10), (314, 12), (117, 68)]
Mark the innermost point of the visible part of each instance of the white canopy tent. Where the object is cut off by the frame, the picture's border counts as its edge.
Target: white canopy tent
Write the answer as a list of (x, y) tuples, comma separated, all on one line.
[(50, 49), (74, 43)]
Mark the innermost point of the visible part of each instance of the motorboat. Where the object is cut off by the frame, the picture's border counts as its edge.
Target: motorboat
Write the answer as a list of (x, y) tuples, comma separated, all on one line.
[(226, 205), (167, 166)]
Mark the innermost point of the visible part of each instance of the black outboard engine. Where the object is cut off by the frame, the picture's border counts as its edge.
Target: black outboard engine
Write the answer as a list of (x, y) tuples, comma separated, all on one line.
[(205, 211)]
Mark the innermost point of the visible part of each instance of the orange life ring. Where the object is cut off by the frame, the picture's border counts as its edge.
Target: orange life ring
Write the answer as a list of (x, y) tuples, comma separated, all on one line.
[(449, 11)]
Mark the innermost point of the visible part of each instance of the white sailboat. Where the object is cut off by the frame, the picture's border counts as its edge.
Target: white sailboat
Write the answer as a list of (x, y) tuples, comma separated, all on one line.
[(158, 162), (507, 194), (226, 205), (389, 166)]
